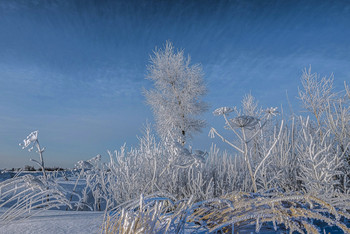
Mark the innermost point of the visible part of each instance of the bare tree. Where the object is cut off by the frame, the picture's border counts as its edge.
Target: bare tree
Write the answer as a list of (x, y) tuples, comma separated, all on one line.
[(176, 97)]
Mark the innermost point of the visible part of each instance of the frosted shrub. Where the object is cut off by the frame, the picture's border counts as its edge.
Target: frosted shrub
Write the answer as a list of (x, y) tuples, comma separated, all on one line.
[(297, 154), (154, 167), (95, 195), (332, 113), (125, 176), (337, 121), (157, 167), (316, 93), (282, 168), (320, 163), (225, 173), (137, 171)]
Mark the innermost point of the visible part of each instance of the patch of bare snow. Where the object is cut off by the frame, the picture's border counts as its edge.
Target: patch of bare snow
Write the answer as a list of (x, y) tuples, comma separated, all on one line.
[(56, 221)]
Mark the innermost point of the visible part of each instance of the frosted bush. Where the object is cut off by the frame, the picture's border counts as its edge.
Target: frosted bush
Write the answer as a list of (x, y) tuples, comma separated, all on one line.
[(156, 167), (332, 113), (94, 195), (316, 93), (320, 165)]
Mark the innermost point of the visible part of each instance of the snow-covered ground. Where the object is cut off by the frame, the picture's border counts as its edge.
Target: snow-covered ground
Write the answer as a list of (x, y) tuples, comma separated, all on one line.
[(56, 221)]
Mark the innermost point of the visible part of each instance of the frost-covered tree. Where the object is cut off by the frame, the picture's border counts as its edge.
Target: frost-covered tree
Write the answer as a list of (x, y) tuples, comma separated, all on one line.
[(176, 97)]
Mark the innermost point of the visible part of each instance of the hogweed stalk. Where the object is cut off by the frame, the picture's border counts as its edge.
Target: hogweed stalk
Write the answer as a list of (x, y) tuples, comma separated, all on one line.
[(246, 122), (32, 141)]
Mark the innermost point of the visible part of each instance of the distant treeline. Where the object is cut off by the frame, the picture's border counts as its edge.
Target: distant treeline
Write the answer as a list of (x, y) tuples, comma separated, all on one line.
[(31, 168)]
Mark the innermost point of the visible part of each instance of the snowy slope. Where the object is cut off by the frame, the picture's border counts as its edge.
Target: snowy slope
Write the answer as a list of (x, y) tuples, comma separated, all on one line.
[(55, 221)]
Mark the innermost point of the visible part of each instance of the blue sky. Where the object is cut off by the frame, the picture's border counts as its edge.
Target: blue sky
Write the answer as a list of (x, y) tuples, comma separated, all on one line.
[(75, 70)]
